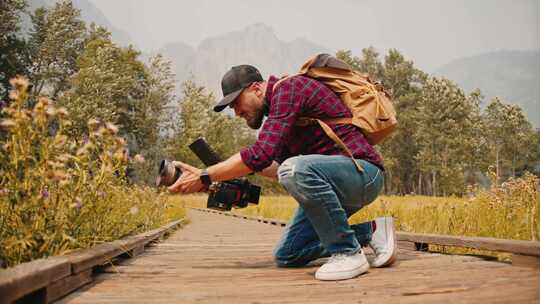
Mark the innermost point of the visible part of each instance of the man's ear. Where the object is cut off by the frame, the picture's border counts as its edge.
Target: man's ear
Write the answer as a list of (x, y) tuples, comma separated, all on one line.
[(258, 89)]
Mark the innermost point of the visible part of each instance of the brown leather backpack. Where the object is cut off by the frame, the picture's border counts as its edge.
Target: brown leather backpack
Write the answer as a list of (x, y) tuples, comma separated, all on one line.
[(371, 107)]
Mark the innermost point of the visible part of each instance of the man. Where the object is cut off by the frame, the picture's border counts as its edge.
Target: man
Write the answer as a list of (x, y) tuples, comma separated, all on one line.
[(313, 169)]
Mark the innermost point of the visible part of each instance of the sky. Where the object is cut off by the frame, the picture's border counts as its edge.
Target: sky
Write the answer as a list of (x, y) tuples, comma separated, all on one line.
[(430, 32)]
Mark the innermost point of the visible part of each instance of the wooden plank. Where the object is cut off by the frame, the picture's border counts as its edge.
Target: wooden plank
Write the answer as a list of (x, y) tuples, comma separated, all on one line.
[(62, 287), (100, 254), (525, 260), (29, 277), (87, 258), (531, 248), (137, 251), (406, 245), (203, 265)]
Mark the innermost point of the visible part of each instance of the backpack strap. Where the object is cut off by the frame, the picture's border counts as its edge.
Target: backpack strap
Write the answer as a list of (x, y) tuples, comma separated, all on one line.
[(328, 130)]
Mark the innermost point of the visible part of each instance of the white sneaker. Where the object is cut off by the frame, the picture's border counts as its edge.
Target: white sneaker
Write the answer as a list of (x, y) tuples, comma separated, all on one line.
[(341, 266), (384, 242)]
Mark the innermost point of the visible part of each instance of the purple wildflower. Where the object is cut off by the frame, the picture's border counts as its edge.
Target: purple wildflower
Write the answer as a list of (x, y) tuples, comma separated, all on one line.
[(44, 194)]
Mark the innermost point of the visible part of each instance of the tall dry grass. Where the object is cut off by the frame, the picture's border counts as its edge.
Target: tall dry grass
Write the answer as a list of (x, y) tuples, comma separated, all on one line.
[(59, 193), (510, 211)]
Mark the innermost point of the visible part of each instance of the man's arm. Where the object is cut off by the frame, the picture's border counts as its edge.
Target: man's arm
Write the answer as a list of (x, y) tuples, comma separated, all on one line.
[(190, 180), (229, 169)]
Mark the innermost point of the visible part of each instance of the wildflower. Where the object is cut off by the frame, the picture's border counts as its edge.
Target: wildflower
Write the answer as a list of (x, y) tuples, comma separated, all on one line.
[(13, 94), (62, 112), (57, 175), (7, 124), (51, 111), (19, 82), (60, 140), (93, 123), (44, 194), (101, 194), (44, 101), (84, 149), (77, 204), (120, 141), (139, 159), (4, 192), (134, 210), (111, 127), (121, 155)]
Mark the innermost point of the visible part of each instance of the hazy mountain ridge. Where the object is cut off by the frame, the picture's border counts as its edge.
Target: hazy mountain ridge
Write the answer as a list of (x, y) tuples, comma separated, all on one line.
[(256, 44), (512, 75)]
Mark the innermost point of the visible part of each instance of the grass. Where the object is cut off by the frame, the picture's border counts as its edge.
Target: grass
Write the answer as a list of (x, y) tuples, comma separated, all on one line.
[(59, 193)]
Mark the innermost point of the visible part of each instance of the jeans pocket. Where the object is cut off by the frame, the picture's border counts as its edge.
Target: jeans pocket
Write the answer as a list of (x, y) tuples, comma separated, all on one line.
[(373, 185)]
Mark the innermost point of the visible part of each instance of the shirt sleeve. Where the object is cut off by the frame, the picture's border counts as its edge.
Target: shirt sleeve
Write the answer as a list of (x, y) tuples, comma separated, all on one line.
[(285, 108)]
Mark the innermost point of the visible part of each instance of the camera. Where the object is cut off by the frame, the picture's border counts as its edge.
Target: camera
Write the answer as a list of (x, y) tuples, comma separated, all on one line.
[(235, 193)]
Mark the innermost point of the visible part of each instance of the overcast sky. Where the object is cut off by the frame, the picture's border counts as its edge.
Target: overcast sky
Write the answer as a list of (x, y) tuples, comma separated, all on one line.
[(431, 32)]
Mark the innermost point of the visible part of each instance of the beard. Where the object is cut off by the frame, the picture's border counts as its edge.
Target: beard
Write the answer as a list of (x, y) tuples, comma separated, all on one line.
[(256, 120)]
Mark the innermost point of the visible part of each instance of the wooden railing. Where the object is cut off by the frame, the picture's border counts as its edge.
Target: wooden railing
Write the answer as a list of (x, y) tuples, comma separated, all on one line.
[(46, 280)]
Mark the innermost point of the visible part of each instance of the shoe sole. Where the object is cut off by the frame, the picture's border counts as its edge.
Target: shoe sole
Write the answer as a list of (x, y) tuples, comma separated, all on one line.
[(345, 275), (389, 226)]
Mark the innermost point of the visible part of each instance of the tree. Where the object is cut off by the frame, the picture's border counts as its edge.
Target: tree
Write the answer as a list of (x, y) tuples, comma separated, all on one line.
[(509, 135), (224, 133), (13, 58), (154, 119), (109, 86), (445, 134), (56, 41)]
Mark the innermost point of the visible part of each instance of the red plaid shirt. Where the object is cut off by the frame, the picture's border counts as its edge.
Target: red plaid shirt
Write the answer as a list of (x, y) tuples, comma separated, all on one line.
[(280, 139)]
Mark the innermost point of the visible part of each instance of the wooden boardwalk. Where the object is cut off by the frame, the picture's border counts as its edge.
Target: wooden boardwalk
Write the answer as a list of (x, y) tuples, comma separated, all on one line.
[(219, 259)]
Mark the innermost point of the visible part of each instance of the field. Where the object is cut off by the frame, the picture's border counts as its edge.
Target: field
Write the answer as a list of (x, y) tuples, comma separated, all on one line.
[(510, 211)]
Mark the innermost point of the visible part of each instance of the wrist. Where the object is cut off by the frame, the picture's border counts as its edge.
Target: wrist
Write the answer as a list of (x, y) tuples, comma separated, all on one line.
[(205, 178)]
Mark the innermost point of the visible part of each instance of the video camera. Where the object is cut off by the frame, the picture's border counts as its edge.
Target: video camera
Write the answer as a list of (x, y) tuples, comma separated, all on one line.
[(235, 193)]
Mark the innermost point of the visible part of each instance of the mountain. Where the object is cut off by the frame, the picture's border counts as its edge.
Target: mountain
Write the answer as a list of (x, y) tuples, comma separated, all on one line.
[(512, 75), (89, 13), (256, 44)]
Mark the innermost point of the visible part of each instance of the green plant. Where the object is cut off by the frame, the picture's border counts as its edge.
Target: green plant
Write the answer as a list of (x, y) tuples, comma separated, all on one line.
[(59, 193)]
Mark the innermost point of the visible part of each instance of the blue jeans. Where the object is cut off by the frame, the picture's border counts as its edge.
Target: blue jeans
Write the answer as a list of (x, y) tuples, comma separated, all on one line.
[(329, 189)]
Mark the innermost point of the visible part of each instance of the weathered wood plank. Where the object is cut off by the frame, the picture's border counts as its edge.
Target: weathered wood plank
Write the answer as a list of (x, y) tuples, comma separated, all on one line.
[(43, 279), (28, 277), (525, 260), (514, 246), (62, 287), (87, 258), (229, 260)]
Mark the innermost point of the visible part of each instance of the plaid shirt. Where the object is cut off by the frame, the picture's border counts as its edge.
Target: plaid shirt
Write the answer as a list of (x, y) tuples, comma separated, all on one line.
[(280, 139)]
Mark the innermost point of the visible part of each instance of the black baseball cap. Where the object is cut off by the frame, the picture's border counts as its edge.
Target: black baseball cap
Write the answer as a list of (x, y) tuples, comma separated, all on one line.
[(234, 81)]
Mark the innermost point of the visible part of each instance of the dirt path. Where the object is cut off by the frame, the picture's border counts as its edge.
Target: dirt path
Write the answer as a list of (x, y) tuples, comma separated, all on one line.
[(221, 259)]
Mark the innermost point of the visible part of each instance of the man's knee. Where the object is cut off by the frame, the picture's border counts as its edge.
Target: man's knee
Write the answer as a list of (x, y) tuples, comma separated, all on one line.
[(286, 170), (289, 170)]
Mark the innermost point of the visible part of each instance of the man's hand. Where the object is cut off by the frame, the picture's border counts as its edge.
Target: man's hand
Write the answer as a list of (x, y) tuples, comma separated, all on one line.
[(189, 181)]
